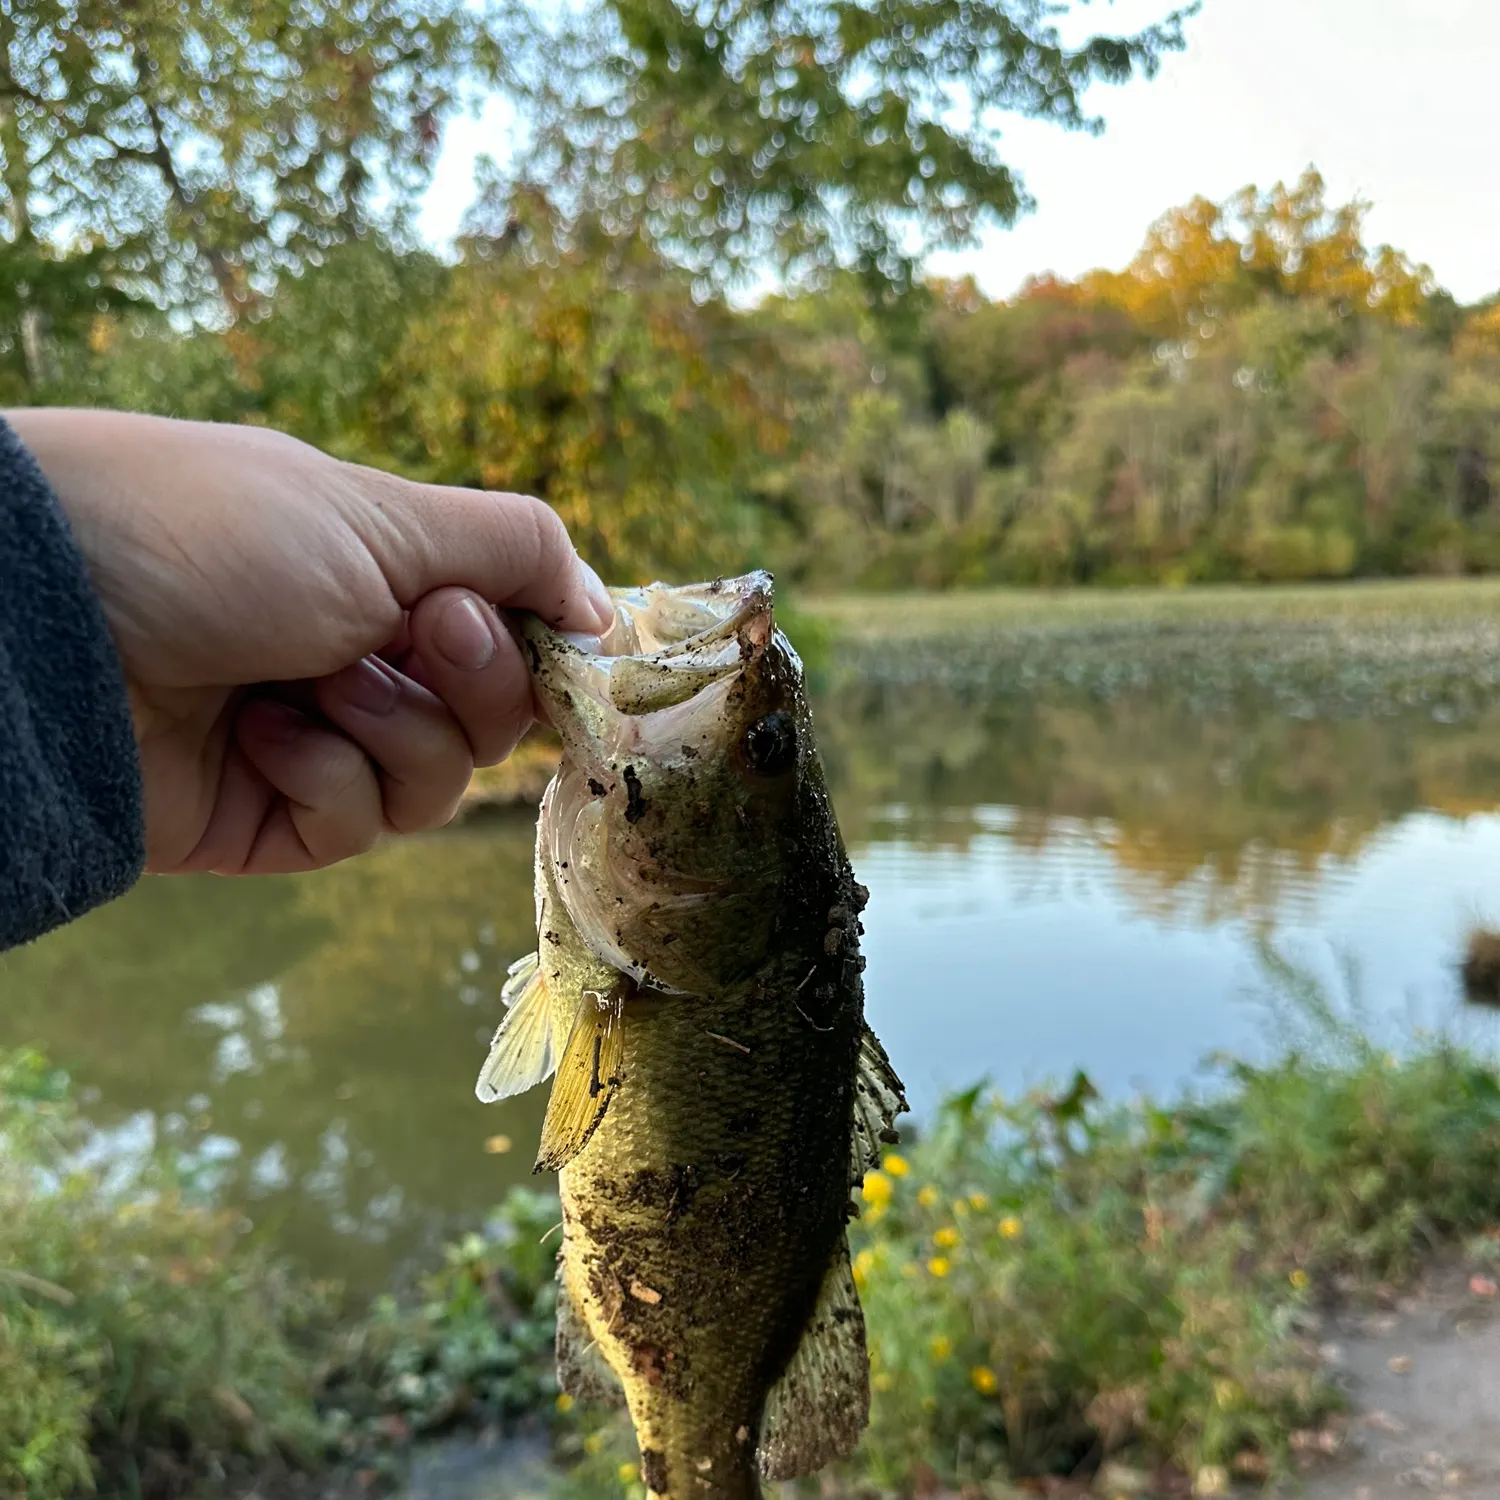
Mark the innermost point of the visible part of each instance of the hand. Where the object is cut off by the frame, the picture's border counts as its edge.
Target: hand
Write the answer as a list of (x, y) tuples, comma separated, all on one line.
[(312, 648)]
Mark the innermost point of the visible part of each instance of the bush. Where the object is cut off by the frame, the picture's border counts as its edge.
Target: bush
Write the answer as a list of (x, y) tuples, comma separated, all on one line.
[(145, 1343)]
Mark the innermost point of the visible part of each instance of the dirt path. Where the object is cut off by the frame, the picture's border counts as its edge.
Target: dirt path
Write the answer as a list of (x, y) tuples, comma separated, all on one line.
[(1425, 1382)]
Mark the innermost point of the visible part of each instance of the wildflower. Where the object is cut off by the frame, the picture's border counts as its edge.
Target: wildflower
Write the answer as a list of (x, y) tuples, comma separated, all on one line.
[(883, 1381), (928, 1196), (984, 1380), (896, 1166), (1299, 1279), (565, 1403), (593, 1443), (1009, 1227), (979, 1202), (942, 1347), (946, 1238), (628, 1473), (864, 1263), (960, 1207), (876, 1190), (939, 1265)]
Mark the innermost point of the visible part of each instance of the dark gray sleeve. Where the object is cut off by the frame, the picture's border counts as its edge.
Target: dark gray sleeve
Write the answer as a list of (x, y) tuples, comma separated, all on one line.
[(71, 831)]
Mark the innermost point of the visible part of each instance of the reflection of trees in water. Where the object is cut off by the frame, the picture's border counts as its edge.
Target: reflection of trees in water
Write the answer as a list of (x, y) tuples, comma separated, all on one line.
[(1233, 810), (329, 1025)]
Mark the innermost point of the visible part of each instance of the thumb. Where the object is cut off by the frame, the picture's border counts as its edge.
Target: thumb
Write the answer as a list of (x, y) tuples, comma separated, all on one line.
[(510, 549)]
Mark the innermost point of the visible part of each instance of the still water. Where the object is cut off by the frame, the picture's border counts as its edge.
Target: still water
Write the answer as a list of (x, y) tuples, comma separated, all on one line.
[(1059, 878)]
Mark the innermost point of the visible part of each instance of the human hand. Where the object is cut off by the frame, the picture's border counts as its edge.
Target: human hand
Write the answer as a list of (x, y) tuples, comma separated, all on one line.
[(311, 647)]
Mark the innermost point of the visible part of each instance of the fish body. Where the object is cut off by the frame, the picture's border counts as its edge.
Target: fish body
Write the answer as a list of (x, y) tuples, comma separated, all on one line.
[(697, 992)]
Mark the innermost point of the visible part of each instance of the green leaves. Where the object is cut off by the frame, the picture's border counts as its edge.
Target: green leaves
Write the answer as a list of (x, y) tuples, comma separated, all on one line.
[(793, 136)]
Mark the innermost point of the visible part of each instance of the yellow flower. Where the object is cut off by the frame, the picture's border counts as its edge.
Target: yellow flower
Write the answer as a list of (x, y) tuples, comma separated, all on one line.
[(864, 1263), (984, 1380), (628, 1473), (876, 1190), (565, 1402), (939, 1265), (1300, 1279), (979, 1202), (1009, 1227), (897, 1166), (946, 1238), (942, 1347), (928, 1196), (883, 1381), (593, 1442)]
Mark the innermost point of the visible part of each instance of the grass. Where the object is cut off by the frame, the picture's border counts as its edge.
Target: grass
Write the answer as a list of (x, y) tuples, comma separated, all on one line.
[(859, 617)]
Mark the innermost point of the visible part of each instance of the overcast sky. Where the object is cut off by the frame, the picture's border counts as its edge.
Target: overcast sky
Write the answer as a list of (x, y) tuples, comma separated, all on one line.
[(1396, 100)]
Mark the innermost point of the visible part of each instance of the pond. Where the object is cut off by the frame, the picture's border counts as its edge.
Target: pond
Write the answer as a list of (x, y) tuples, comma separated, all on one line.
[(1081, 837)]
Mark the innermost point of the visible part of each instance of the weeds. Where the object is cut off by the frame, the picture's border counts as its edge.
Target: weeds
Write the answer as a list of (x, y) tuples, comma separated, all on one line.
[(145, 1344)]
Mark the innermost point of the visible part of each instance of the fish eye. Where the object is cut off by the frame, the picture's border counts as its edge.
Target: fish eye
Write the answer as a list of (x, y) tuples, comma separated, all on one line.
[(770, 745)]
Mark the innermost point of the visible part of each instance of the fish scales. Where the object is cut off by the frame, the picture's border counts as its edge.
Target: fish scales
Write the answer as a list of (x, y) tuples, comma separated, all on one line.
[(698, 993)]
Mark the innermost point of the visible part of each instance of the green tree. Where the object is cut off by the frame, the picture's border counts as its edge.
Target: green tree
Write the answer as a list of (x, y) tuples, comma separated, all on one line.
[(186, 155), (798, 135)]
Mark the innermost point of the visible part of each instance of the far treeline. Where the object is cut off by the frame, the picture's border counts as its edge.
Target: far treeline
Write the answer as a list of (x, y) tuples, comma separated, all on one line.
[(209, 213)]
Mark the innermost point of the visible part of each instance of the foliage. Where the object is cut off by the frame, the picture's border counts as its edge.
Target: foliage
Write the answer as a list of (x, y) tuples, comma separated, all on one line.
[(145, 1345), (1260, 396), (188, 155), (801, 136), (476, 1347)]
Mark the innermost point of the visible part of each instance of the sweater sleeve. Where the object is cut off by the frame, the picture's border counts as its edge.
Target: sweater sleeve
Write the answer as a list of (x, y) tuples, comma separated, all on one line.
[(71, 820)]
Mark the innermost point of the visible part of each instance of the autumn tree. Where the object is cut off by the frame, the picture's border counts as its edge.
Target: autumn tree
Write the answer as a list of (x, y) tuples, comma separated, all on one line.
[(1205, 260), (575, 364)]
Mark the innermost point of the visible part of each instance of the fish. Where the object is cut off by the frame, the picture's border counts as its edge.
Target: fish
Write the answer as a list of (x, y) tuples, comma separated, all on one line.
[(697, 999)]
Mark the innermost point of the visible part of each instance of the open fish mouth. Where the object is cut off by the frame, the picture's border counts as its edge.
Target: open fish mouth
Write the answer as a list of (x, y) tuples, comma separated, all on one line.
[(666, 646)]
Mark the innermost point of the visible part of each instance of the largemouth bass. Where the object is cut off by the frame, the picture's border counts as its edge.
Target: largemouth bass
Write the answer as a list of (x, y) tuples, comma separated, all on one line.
[(697, 992)]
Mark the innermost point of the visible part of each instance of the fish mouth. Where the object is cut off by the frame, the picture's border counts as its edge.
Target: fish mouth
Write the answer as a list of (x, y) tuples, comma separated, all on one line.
[(666, 646)]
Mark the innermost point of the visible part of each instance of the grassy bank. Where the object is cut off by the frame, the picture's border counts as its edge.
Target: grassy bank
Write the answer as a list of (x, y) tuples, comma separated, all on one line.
[(1053, 1287)]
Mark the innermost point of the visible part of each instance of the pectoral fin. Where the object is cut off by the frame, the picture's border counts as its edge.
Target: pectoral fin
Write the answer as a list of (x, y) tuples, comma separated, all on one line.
[(521, 1052), (581, 1370), (878, 1099), (587, 1076), (817, 1410)]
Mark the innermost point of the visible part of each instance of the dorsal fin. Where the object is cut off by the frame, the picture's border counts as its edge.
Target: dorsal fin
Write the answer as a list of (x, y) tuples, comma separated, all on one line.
[(878, 1099)]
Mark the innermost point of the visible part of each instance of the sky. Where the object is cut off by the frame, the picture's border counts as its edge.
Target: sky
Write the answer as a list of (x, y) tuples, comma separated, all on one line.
[(1397, 101)]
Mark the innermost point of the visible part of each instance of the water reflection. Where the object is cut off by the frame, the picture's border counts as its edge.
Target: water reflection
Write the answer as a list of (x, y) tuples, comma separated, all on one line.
[(1058, 878)]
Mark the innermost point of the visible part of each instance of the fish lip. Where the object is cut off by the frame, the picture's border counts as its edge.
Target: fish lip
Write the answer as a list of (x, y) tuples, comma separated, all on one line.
[(563, 664)]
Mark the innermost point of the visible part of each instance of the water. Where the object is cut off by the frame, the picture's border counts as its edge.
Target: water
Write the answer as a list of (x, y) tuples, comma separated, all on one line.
[(1060, 877)]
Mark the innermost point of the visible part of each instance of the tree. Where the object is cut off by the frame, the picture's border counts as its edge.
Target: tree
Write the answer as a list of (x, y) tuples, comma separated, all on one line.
[(745, 134), (1204, 261), (574, 364), (186, 154)]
